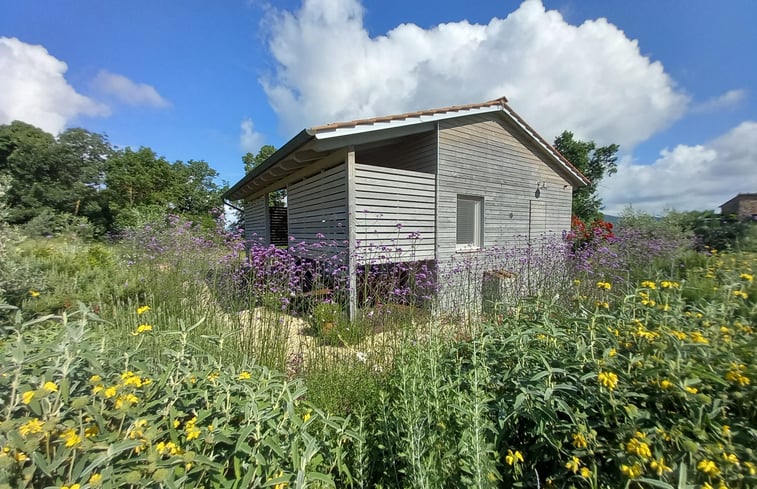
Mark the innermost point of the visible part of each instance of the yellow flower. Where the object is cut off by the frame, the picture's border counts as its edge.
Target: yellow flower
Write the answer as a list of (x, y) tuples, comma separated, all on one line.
[(632, 471), (612, 352), (307, 416), (698, 337), (129, 399), (691, 390), (606, 305), (72, 486), (143, 309), (741, 293), (649, 284), (169, 448), (20, 457), (665, 284), (513, 458), (747, 277), (111, 391), (585, 472), (659, 466), (95, 479), (638, 447), (95, 379), (708, 467), (245, 375), (27, 397), (752, 468), (71, 437), (50, 387), (91, 431), (726, 430), (666, 384), (34, 293), (731, 458), (191, 430), (604, 285), (608, 379), (31, 427), (176, 423), (142, 328), (573, 464), (579, 440)]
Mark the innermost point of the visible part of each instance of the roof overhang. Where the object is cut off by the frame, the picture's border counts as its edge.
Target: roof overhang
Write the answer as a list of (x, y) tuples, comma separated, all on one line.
[(319, 141)]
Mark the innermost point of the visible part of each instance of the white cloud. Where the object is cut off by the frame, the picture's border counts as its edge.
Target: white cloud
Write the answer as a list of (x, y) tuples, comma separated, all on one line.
[(249, 139), (727, 100), (127, 91), (687, 177), (33, 88), (590, 79)]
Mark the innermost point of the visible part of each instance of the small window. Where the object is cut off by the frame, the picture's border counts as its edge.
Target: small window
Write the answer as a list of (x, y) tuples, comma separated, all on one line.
[(470, 222)]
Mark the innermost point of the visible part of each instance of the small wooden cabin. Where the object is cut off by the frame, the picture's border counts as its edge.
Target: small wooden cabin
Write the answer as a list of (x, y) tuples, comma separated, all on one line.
[(435, 183)]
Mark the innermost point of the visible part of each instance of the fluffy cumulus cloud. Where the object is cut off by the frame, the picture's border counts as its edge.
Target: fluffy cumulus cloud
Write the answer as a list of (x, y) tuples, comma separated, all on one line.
[(127, 91), (249, 139), (33, 88), (589, 78), (687, 177)]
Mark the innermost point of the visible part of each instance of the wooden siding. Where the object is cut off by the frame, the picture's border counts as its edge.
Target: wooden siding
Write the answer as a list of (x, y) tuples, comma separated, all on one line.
[(256, 221), (482, 156), (485, 156), (394, 214), (317, 208), (415, 153)]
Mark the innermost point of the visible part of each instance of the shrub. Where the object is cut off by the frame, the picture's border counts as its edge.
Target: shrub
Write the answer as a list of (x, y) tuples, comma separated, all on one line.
[(78, 410)]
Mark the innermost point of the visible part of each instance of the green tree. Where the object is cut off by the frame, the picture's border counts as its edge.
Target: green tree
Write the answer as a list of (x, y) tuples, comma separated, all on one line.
[(252, 161), (58, 176), (193, 190), (276, 198), (594, 162), (136, 178)]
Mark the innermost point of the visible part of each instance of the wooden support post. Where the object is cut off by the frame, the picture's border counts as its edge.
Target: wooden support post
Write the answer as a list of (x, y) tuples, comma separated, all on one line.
[(351, 231)]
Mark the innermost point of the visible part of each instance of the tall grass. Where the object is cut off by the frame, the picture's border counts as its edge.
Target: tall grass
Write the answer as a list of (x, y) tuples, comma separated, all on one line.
[(627, 363)]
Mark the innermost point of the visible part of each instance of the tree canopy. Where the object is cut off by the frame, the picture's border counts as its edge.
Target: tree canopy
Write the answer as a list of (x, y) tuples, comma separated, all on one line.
[(594, 162), (80, 174), (275, 199)]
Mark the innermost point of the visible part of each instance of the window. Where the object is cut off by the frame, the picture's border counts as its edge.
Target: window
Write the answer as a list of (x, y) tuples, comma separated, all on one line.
[(470, 222)]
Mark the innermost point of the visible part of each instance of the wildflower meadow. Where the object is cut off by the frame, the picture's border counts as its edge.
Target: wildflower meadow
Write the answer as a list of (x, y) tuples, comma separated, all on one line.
[(172, 355)]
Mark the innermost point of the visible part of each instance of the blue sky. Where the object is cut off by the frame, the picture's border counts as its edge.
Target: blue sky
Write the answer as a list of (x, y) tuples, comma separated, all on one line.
[(671, 82)]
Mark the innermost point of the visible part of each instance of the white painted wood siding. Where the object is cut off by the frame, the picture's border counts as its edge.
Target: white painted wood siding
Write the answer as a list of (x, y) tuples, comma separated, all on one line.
[(317, 208), (256, 221), (394, 214), (483, 156)]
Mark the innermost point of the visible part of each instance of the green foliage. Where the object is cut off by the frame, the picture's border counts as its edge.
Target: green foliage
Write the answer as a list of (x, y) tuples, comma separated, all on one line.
[(253, 161), (61, 175), (76, 410), (594, 162), (715, 231), (275, 199)]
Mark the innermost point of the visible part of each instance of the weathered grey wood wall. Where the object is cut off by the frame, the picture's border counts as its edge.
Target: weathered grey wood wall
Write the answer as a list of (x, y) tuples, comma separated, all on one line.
[(482, 156), (256, 224), (416, 153), (317, 207), (485, 156), (394, 214)]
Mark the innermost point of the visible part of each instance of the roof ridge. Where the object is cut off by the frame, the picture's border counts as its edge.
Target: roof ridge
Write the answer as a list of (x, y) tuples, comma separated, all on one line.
[(406, 115)]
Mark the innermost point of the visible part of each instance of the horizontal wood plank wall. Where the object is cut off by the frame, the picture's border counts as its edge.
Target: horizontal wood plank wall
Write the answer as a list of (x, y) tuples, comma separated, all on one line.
[(317, 208), (394, 214), (485, 156), (416, 153), (256, 221)]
